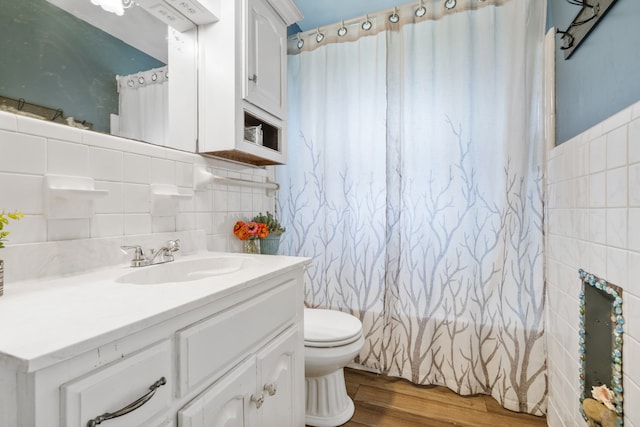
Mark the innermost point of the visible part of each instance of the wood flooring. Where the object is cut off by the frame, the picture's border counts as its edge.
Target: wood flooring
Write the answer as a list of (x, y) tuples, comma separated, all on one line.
[(391, 402)]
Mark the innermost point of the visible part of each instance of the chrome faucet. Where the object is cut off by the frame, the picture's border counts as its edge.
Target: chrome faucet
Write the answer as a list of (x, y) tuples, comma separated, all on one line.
[(165, 253), (160, 256)]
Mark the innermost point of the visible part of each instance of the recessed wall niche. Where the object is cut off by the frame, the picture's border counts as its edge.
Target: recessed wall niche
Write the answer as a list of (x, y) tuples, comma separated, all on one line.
[(601, 330)]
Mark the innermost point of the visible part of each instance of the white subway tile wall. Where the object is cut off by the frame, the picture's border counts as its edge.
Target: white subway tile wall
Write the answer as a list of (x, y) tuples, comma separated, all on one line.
[(31, 148), (593, 222)]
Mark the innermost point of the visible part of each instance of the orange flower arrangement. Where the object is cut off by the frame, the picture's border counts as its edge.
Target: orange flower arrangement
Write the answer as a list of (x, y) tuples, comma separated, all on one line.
[(246, 230)]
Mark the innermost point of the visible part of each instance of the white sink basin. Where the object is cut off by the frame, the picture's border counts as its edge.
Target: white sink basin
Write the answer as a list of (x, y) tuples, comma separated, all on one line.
[(183, 271)]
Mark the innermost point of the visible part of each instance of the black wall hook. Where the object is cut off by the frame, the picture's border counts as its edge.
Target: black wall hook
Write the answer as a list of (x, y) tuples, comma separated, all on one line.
[(568, 44), (586, 19)]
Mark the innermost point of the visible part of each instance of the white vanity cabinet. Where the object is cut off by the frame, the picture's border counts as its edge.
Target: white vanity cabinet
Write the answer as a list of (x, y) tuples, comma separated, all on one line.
[(230, 359), (242, 80)]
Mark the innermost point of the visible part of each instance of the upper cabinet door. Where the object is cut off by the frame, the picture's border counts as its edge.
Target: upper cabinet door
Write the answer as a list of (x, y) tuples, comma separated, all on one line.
[(265, 67)]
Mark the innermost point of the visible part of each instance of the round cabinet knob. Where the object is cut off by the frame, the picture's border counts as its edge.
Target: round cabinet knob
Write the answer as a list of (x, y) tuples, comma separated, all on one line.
[(270, 388), (259, 400), (253, 78)]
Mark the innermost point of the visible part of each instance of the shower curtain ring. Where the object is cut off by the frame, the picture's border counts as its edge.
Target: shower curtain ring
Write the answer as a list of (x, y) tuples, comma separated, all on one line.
[(394, 17), (342, 31), (366, 25), (421, 10)]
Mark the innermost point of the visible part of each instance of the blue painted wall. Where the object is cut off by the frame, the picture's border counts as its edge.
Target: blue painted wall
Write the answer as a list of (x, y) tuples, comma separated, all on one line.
[(50, 58), (602, 76)]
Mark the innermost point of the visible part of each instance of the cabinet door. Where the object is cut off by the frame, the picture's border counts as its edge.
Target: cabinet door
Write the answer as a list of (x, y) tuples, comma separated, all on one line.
[(281, 376), (227, 403), (265, 84)]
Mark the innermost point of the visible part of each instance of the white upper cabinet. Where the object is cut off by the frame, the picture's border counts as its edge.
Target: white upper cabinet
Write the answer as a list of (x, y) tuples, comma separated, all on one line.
[(265, 81), (242, 81)]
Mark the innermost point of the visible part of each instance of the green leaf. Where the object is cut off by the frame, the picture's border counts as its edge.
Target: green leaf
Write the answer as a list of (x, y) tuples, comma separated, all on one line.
[(16, 215)]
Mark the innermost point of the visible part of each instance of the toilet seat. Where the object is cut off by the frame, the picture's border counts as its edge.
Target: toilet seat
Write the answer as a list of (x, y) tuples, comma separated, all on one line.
[(330, 328)]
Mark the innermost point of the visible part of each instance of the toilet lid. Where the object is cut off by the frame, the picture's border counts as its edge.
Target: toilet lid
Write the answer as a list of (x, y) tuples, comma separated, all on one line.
[(330, 328)]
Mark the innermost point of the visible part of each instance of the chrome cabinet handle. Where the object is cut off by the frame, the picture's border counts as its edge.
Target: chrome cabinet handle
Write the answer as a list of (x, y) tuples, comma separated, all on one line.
[(257, 400), (270, 388), (253, 78), (130, 407)]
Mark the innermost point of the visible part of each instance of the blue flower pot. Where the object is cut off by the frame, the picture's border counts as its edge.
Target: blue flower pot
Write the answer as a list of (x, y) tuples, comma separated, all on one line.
[(270, 244)]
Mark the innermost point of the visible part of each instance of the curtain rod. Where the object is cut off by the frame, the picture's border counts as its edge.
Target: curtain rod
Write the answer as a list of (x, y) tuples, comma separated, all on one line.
[(375, 22)]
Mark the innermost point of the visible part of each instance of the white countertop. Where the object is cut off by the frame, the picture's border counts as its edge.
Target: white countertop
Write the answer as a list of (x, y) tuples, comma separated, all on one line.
[(45, 321)]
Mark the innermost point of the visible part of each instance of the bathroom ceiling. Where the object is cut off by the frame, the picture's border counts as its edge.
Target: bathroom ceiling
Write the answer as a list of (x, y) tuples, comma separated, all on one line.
[(323, 12)]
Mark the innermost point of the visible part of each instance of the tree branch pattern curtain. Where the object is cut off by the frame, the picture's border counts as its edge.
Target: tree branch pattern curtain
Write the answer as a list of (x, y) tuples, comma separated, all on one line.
[(414, 181)]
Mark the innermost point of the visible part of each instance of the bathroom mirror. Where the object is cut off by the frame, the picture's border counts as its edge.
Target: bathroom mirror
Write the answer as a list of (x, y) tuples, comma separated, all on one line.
[(600, 338), (60, 59)]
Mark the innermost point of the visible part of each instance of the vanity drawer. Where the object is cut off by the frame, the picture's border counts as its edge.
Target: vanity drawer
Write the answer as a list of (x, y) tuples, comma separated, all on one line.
[(210, 348), (118, 385)]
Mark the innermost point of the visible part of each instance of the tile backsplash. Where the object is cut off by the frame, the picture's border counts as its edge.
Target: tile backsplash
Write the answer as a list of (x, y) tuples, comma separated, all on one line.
[(31, 148), (593, 222)]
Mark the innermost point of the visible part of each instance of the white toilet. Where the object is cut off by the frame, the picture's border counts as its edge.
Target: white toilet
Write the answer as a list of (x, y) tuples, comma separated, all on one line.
[(332, 339)]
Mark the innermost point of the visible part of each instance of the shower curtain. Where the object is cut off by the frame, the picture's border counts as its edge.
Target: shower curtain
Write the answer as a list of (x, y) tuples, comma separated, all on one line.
[(144, 106), (414, 180)]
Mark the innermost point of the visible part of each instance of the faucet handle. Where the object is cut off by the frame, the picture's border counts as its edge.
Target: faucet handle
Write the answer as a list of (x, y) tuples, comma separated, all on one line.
[(173, 245), (138, 255)]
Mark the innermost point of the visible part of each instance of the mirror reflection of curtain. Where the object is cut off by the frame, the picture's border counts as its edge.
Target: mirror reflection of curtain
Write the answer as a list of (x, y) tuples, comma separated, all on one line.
[(414, 181), (144, 106)]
